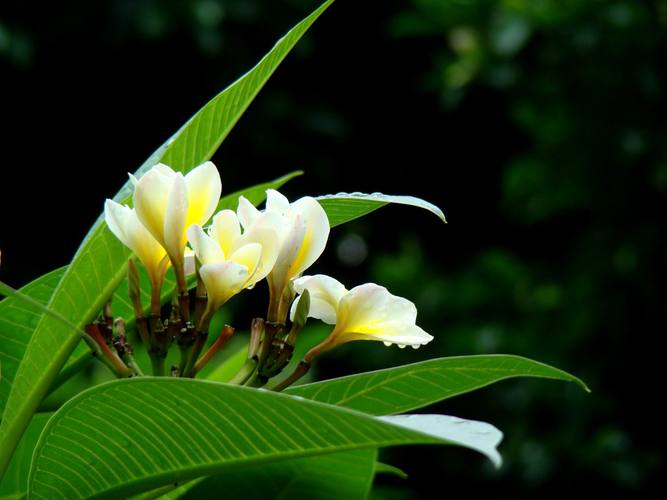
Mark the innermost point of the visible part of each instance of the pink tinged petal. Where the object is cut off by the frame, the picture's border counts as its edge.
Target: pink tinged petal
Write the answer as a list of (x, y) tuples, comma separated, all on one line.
[(325, 294), (206, 248), (151, 196), (276, 202), (175, 219), (316, 234), (204, 187), (247, 212), (226, 230), (223, 280)]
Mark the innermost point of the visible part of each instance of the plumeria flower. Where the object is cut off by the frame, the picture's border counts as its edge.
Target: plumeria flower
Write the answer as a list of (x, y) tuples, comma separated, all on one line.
[(231, 261), (303, 230), (168, 202), (367, 312), (125, 224)]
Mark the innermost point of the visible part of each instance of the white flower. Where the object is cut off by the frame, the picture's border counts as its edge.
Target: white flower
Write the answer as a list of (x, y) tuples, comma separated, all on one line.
[(167, 203), (302, 228), (367, 312), (124, 223), (231, 261)]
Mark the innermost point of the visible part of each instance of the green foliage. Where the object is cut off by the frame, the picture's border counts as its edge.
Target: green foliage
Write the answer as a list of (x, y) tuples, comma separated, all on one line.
[(344, 207), (99, 265), (128, 436), (406, 388), (327, 477), (173, 437)]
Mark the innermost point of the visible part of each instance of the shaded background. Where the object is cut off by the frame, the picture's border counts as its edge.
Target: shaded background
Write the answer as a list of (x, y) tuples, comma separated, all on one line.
[(537, 125)]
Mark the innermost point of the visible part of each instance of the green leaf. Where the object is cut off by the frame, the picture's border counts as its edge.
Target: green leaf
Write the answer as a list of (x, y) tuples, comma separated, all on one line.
[(17, 322), (405, 388), (381, 468), (256, 194), (327, 477), (344, 207), (15, 481), (99, 264), (134, 435)]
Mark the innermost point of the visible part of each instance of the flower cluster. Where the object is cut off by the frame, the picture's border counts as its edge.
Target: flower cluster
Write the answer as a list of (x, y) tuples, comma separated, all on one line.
[(168, 227)]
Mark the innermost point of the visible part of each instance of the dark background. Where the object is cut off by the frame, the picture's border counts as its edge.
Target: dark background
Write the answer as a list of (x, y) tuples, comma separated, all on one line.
[(538, 126)]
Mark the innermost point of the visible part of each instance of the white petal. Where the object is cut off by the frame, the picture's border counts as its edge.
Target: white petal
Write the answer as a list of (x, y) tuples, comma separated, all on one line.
[(125, 224), (247, 212), (371, 303), (226, 230), (203, 191), (151, 196), (289, 251), (370, 312), (175, 219), (223, 281), (270, 242), (325, 294), (402, 334), (316, 234), (248, 256), (206, 248), (276, 202)]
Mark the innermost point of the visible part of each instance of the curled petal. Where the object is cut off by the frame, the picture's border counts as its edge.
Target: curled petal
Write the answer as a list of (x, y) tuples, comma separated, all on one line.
[(226, 230), (248, 256), (203, 192), (276, 202), (125, 225), (316, 234), (223, 280), (391, 332), (247, 212), (175, 219), (206, 248), (289, 251), (370, 312), (267, 237), (370, 304), (325, 294), (151, 196)]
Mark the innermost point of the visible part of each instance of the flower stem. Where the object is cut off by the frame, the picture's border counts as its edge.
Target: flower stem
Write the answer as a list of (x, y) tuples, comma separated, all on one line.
[(245, 372), (222, 339), (299, 372), (157, 363)]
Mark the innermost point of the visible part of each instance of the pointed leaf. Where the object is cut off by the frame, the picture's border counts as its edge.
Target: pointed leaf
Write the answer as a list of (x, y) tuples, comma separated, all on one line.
[(405, 388), (17, 322), (99, 264), (327, 477), (344, 207), (134, 435)]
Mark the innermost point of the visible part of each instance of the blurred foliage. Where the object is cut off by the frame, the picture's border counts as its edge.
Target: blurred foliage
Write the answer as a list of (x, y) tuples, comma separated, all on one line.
[(538, 125)]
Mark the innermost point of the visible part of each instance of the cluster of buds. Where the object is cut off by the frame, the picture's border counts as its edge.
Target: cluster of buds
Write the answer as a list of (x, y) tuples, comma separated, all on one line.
[(168, 228)]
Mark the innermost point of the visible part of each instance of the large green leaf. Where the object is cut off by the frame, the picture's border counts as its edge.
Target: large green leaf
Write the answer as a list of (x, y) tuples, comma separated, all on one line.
[(15, 482), (134, 435), (327, 477), (17, 322), (344, 207), (99, 264), (405, 388)]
